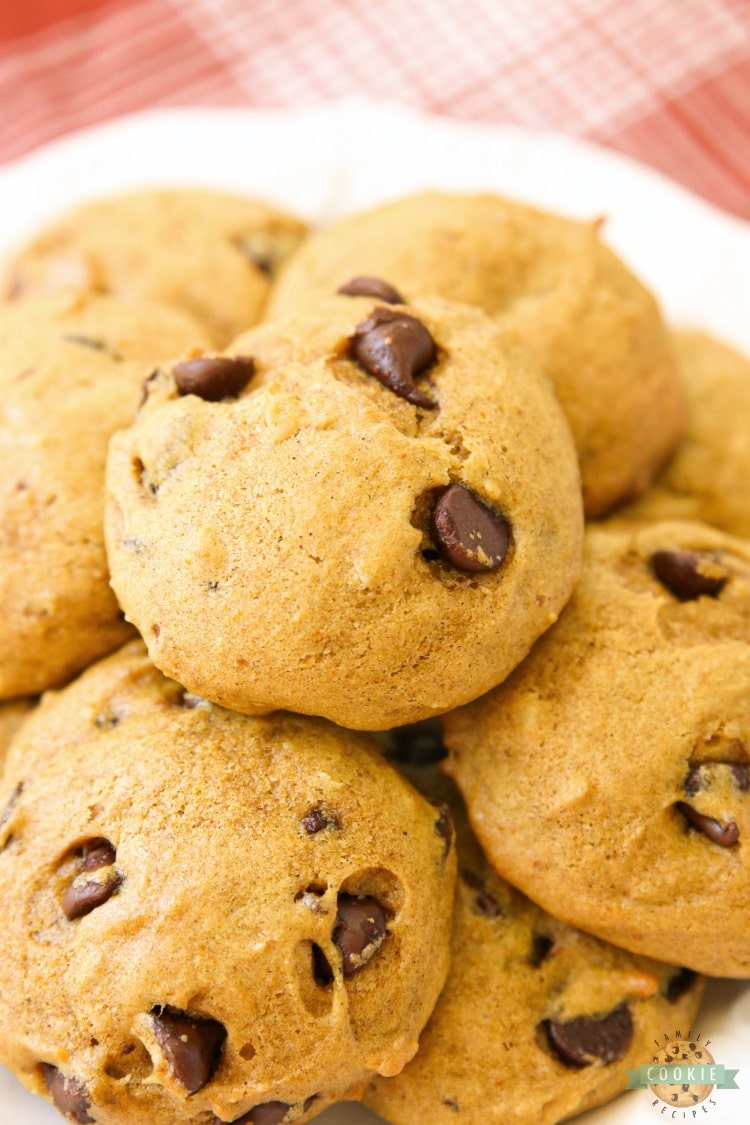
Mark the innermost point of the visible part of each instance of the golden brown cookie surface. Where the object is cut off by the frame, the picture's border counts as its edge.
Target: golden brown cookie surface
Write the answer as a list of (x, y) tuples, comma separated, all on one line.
[(608, 778), (12, 714), (371, 548), (207, 913), (537, 1021), (596, 328), (212, 255), (708, 478), (71, 370)]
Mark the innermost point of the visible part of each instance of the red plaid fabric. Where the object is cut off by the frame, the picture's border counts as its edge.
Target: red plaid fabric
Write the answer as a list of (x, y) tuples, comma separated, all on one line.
[(667, 82)]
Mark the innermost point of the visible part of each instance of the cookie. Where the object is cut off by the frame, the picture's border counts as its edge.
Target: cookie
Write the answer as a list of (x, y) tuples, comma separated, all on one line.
[(597, 330), (708, 478), (609, 778), (537, 1021), (12, 715), (71, 372), (373, 536), (208, 917), (211, 254)]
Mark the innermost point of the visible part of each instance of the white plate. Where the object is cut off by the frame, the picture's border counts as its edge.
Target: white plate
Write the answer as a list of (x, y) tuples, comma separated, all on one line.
[(328, 161)]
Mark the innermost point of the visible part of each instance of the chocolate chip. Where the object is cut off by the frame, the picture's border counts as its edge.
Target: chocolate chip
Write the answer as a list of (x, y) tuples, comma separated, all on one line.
[(191, 1045), (445, 828), (484, 902), (69, 1095), (394, 347), (318, 819), (468, 533), (541, 947), (265, 249), (214, 377), (696, 779), (678, 984), (96, 880), (418, 744), (359, 931), (688, 574), (371, 287), (726, 836), (741, 776), (583, 1041)]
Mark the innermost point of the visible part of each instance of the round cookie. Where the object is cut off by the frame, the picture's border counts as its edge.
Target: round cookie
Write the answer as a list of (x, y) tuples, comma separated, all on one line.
[(609, 778), (708, 478), (71, 372), (537, 1021), (211, 254), (597, 329), (208, 917), (373, 548)]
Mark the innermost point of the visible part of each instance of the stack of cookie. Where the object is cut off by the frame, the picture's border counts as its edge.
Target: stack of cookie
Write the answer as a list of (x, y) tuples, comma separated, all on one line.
[(225, 900)]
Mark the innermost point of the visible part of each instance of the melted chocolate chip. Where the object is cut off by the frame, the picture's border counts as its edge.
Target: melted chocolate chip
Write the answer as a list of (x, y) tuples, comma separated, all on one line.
[(69, 1095), (444, 827), (371, 287), (191, 1046), (681, 573), (214, 377), (467, 533), (95, 882), (541, 947), (726, 836), (318, 819), (678, 984), (394, 347), (359, 931), (583, 1041)]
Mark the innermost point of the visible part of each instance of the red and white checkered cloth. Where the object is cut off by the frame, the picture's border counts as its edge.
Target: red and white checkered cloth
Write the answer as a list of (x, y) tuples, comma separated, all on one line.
[(665, 81)]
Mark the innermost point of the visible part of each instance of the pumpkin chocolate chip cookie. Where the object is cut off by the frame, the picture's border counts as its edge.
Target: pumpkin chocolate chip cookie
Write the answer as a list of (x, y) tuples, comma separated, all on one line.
[(537, 1021), (209, 917), (371, 518), (211, 254), (609, 777), (708, 478), (71, 371), (596, 329)]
